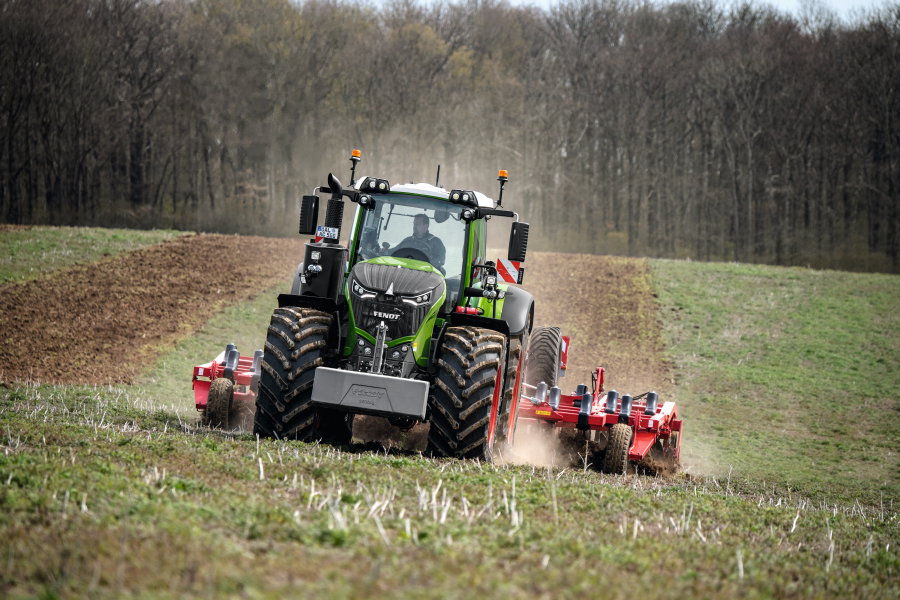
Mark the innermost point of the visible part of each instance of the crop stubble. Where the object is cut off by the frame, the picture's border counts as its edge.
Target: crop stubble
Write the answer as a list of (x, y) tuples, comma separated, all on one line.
[(102, 322)]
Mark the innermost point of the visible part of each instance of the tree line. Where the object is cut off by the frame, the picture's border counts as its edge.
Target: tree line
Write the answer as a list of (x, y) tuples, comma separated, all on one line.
[(679, 130)]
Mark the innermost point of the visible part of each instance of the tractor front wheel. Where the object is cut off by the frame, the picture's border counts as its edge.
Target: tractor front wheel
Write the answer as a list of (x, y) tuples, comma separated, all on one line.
[(615, 462), (296, 343), (466, 394), (220, 402)]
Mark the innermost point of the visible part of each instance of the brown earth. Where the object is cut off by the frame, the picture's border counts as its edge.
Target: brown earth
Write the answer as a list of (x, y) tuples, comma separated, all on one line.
[(101, 322), (607, 306)]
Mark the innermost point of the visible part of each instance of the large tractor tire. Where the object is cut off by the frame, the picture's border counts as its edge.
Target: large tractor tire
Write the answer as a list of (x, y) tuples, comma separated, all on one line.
[(544, 355), (465, 397), (220, 403), (296, 343), (615, 461)]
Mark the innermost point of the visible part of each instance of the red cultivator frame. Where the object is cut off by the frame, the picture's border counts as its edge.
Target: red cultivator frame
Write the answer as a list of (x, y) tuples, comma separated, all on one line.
[(225, 384), (635, 427)]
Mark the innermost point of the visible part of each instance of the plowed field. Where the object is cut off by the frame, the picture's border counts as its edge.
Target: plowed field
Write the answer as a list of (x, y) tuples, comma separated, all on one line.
[(606, 305), (102, 322)]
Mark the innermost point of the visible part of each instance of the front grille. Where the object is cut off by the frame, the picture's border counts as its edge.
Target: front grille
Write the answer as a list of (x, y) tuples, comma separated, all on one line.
[(405, 282), (408, 323)]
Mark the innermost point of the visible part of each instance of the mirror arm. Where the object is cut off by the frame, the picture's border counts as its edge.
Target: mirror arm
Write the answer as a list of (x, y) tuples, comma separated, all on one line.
[(353, 195)]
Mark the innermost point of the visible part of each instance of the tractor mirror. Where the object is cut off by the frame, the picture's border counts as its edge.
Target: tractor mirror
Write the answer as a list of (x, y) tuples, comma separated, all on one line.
[(518, 241), (309, 214)]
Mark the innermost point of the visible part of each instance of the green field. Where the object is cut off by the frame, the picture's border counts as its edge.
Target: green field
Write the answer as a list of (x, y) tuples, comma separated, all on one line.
[(786, 379), (786, 374), (30, 253), (168, 380), (131, 503)]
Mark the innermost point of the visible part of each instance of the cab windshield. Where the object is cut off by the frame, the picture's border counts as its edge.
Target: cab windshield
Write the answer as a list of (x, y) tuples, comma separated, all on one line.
[(420, 228)]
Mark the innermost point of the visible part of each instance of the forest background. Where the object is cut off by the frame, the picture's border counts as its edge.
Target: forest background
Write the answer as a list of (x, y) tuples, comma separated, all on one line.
[(679, 130)]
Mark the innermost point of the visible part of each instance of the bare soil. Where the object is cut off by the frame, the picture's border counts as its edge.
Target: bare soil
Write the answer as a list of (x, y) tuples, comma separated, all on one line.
[(102, 322), (606, 305)]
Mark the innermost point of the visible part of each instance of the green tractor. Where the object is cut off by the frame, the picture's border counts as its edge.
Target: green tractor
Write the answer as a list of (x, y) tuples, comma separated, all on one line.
[(409, 321)]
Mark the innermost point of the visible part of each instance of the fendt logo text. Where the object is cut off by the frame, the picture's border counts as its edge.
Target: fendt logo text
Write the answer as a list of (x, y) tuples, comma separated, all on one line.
[(365, 393), (383, 315)]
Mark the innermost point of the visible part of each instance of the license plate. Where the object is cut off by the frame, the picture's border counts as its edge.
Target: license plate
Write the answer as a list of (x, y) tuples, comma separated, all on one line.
[(329, 233)]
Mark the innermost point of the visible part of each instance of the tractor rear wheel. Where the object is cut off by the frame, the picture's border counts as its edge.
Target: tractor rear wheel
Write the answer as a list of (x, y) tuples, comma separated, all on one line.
[(615, 462), (465, 397), (544, 354), (220, 402), (296, 343)]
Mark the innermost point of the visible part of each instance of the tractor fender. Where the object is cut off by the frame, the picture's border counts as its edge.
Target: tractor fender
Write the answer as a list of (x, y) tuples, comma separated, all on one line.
[(517, 307), (295, 283)]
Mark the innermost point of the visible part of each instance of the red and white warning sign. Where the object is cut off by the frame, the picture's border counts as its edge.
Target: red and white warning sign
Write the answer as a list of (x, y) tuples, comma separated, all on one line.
[(510, 271)]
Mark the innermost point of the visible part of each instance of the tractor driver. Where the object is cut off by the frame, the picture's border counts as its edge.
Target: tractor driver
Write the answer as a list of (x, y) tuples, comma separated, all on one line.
[(428, 243)]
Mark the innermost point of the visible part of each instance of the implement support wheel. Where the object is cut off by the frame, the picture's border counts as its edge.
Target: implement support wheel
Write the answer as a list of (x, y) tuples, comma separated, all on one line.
[(220, 402), (544, 350), (616, 460)]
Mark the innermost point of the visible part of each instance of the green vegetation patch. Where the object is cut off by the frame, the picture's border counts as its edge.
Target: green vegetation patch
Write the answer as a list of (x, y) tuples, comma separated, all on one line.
[(787, 374), (29, 253), (244, 324), (104, 493)]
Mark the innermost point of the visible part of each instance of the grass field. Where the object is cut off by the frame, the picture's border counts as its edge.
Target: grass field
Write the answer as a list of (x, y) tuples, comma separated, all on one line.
[(131, 503), (135, 500), (168, 380), (30, 253), (788, 374)]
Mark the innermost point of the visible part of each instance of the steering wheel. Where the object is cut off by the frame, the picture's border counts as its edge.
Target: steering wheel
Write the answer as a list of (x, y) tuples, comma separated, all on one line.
[(412, 253)]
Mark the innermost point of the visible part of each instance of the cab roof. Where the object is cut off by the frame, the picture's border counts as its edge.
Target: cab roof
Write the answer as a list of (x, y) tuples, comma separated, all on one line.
[(426, 189)]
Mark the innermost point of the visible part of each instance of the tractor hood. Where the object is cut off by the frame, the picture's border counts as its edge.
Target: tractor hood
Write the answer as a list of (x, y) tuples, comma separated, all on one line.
[(398, 291)]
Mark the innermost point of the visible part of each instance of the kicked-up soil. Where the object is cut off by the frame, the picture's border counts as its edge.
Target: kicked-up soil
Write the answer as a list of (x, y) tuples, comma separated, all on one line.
[(102, 322)]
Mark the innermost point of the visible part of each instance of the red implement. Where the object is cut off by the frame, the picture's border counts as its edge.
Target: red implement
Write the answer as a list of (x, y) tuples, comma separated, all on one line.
[(245, 376), (659, 423)]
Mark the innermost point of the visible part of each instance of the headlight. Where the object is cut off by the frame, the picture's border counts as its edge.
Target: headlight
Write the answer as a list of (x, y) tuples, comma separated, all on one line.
[(315, 255), (490, 280), (418, 300), (361, 291)]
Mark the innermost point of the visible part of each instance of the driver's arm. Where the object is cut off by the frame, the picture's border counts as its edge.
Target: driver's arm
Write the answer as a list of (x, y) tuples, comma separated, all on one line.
[(439, 253)]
